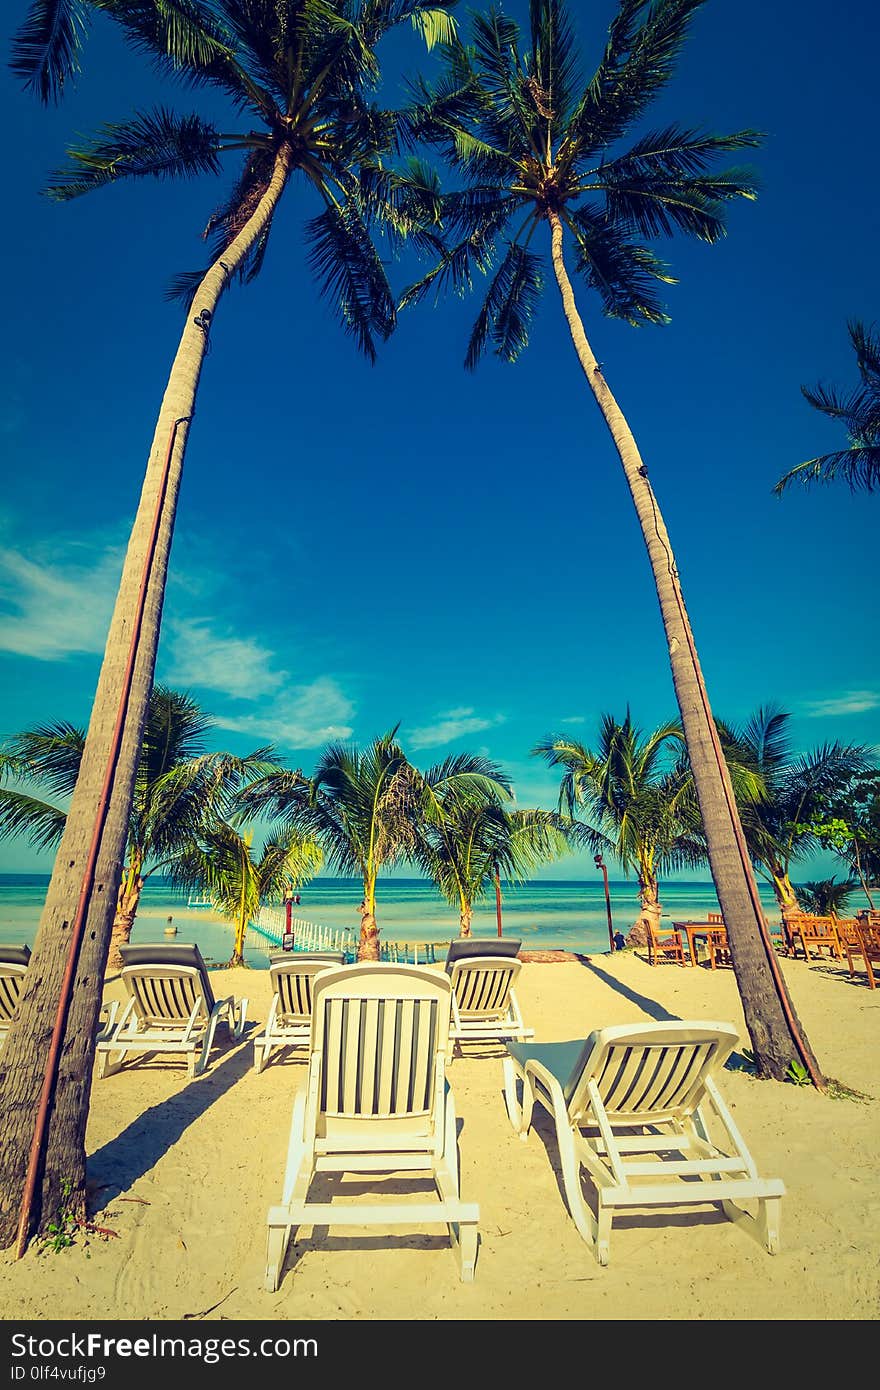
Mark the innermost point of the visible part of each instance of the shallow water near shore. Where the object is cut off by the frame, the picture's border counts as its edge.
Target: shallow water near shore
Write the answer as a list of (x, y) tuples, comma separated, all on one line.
[(545, 915)]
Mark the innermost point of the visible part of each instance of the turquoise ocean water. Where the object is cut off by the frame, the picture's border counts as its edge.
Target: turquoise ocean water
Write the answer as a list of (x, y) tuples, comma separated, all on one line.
[(545, 915)]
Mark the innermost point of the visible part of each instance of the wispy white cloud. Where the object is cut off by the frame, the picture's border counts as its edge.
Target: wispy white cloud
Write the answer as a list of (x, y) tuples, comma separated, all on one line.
[(245, 671), (451, 725), (848, 702), (574, 719), (240, 667), (302, 716), (56, 600)]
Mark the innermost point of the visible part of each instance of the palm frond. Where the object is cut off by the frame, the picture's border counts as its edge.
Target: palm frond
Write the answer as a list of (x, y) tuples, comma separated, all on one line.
[(351, 275), (858, 467), (47, 45), (622, 272), (39, 822), (859, 413), (640, 56), (157, 143), (50, 754), (509, 306)]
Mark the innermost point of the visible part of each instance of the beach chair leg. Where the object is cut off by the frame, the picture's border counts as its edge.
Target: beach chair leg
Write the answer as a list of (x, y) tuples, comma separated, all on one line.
[(764, 1227), (603, 1233), (107, 1066), (514, 1109), (276, 1250), (467, 1243), (579, 1211)]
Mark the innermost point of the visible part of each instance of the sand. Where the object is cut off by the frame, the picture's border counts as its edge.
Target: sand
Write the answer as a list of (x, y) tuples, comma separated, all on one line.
[(184, 1171)]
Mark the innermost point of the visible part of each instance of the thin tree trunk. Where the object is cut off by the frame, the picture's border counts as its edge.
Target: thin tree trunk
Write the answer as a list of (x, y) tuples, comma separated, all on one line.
[(368, 946), (24, 1062), (127, 903), (464, 920), (776, 1035)]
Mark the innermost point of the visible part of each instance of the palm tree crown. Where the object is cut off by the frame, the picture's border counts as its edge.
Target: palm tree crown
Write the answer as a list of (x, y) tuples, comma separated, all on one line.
[(300, 75), (796, 789), (859, 414), (532, 141), (636, 795)]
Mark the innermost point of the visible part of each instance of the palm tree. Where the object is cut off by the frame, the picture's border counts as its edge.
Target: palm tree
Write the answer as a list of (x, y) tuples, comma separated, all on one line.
[(465, 848), (858, 413), (178, 788), (825, 896), (298, 77), (780, 826), (222, 865), (365, 807), (536, 150), (636, 794)]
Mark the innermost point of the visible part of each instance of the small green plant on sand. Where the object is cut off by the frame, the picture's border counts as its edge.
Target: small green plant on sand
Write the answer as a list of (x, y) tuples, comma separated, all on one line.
[(797, 1073), (61, 1233)]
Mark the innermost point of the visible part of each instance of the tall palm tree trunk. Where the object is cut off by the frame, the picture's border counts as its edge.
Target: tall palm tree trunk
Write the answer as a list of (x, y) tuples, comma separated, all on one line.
[(776, 1034), (36, 1159)]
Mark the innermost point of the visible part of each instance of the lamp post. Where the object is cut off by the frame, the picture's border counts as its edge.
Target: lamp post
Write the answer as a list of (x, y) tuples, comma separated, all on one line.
[(600, 864)]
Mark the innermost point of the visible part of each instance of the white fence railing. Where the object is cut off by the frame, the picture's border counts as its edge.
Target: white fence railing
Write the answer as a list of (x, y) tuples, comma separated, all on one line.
[(270, 925)]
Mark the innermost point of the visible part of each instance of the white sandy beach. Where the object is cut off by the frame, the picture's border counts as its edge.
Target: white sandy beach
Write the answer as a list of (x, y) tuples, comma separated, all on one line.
[(184, 1172)]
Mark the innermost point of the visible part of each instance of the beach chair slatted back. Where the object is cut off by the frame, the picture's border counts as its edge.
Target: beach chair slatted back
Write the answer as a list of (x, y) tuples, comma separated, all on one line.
[(13, 964), (166, 998), (653, 1081), (482, 987), (294, 986), (379, 1057), (11, 978)]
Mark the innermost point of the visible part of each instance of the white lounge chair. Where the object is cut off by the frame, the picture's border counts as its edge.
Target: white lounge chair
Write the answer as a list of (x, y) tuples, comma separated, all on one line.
[(14, 961), (289, 1024), (170, 1008), (13, 964), (637, 1106), (484, 1003), (376, 1102)]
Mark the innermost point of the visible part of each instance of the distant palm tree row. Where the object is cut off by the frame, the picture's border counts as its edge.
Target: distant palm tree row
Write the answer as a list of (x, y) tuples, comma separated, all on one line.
[(365, 810)]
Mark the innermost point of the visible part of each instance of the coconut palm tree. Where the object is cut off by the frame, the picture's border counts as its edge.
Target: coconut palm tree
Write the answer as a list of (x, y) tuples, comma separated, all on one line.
[(858, 413), (178, 788), (222, 865), (465, 848), (298, 77), (780, 827), (636, 795), (538, 152), (366, 807)]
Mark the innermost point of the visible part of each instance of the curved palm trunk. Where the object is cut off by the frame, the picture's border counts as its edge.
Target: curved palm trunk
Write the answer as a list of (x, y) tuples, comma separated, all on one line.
[(127, 902), (465, 917), (776, 1035), (650, 911), (26, 1051)]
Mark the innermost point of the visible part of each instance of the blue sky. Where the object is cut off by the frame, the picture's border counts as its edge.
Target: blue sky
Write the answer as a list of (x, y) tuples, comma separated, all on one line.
[(360, 546)]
